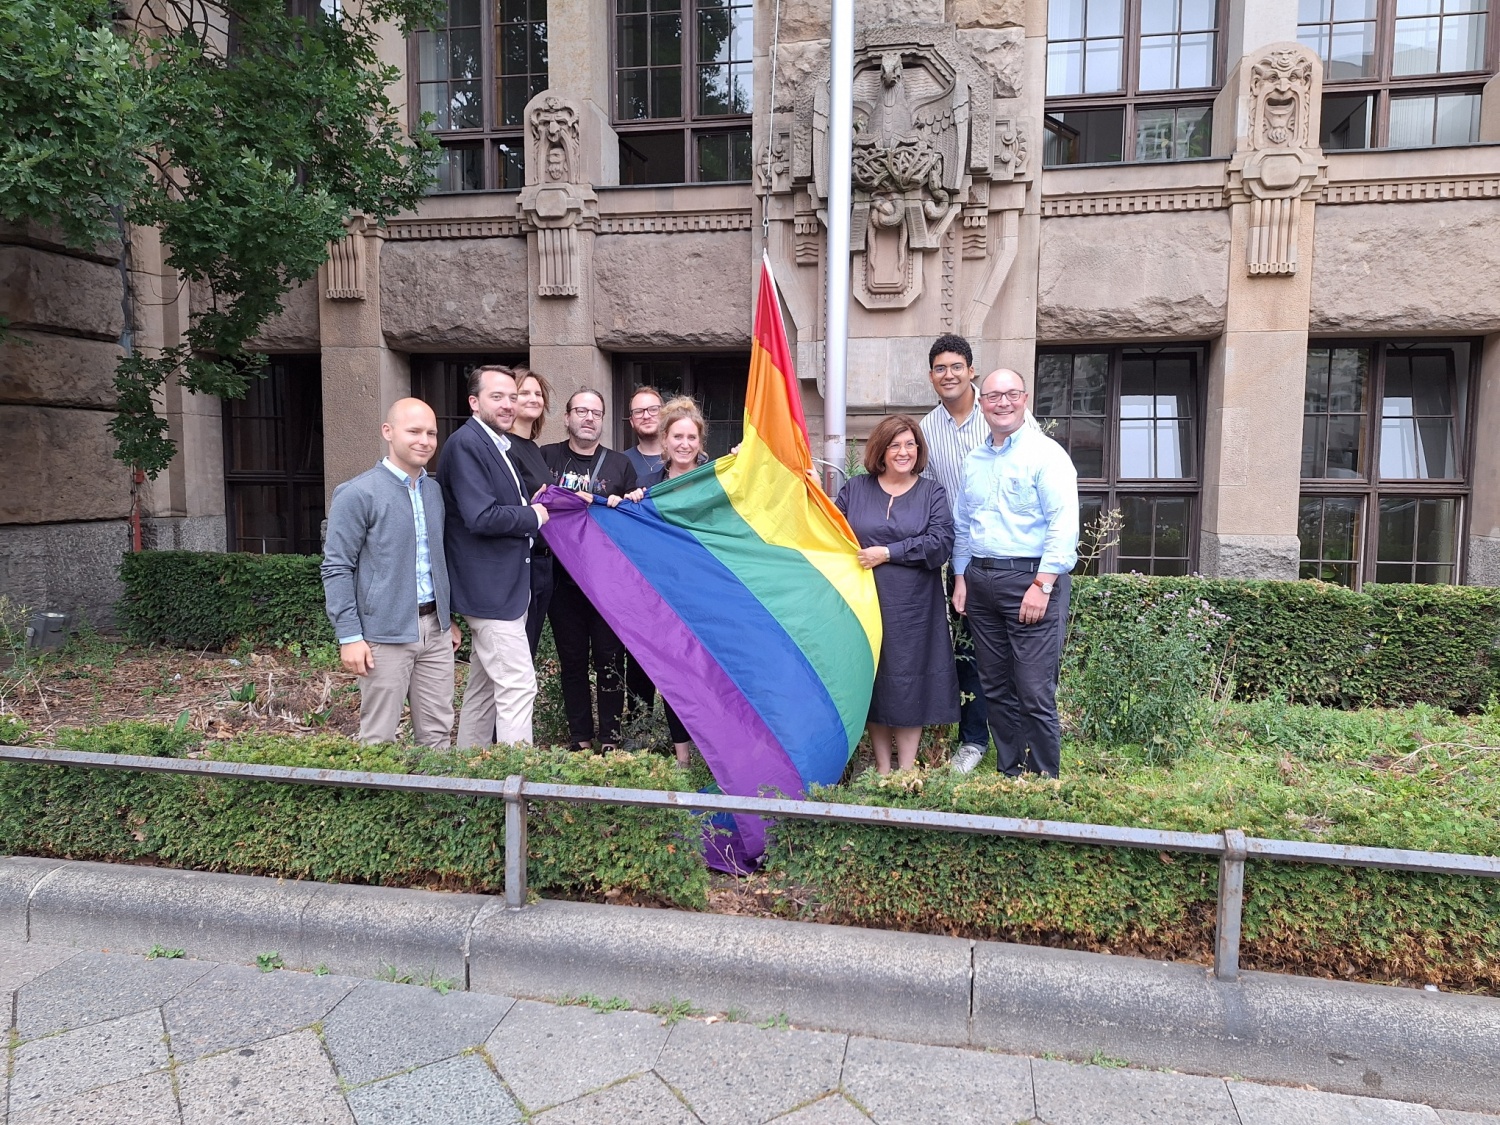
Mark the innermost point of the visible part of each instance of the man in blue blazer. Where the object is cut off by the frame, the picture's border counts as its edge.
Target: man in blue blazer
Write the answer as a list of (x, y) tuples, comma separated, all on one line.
[(488, 534)]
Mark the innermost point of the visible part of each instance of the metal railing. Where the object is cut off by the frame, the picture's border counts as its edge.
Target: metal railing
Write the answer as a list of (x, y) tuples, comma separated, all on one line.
[(1232, 847)]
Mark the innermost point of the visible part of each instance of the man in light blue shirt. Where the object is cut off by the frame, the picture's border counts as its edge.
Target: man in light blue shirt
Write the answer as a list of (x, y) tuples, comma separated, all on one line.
[(1016, 540)]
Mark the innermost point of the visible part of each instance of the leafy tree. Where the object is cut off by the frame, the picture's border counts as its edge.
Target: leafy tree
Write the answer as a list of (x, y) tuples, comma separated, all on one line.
[(244, 132)]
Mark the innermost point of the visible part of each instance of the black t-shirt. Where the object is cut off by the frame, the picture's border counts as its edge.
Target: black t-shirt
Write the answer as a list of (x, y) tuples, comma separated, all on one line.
[(533, 467), (603, 472)]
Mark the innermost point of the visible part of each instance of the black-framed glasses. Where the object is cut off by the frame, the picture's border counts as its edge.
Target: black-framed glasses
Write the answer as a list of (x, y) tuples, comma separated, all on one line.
[(644, 411), (956, 368), (586, 412)]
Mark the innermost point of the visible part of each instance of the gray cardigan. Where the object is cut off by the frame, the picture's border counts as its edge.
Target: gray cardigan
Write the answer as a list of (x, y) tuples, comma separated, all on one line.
[(370, 557)]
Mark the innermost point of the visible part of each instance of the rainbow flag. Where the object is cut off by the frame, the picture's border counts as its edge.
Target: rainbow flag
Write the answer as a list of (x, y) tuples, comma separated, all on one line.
[(737, 589)]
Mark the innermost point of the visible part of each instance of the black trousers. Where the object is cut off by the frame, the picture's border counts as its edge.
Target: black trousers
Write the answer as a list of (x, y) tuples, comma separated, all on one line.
[(541, 597), (973, 724), (585, 641), (1018, 666)]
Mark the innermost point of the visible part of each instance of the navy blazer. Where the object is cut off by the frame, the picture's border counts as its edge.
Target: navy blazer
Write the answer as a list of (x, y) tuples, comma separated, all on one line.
[(487, 527)]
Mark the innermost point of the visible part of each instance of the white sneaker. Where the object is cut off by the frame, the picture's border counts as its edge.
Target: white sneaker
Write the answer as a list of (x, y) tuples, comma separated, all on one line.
[(967, 757)]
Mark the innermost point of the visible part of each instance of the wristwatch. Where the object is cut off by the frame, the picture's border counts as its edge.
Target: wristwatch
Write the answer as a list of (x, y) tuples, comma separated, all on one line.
[(1046, 586)]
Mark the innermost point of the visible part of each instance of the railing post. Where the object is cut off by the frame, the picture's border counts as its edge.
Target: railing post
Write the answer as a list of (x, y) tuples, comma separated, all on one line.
[(515, 842), (1231, 906)]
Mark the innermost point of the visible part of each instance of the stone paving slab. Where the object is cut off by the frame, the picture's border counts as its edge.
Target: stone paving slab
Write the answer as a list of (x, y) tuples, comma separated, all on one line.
[(59, 1066), (640, 1099), (232, 1005), (459, 1091), (733, 1072), (1458, 1117), (913, 1084), (832, 1110), (282, 1080), (1073, 1094), (92, 987), (1277, 1105), (549, 1054), (147, 1100), (381, 1029), (22, 962)]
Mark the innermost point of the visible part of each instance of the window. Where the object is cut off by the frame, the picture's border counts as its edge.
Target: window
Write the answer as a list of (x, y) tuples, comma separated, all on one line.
[(1399, 73), (1130, 80), (475, 69), (718, 382), (1130, 418), (273, 460), (1384, 440), (442, 382), (682, 90)]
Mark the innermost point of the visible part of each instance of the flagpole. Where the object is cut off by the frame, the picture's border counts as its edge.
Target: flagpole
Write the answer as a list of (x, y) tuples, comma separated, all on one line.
[(836, 334)]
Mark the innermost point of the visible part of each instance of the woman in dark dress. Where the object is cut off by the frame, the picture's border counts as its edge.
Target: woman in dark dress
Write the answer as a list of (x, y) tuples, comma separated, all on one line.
[(533, 401), (905, 532)]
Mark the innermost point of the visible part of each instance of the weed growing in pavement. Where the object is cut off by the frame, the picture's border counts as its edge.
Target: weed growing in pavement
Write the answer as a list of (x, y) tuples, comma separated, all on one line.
[(269, 962), (778, 1022), (735, 1015), (321, 971), (161, 952), (674, 1011), (593, 1003), (1099, 1058), (392, 975)]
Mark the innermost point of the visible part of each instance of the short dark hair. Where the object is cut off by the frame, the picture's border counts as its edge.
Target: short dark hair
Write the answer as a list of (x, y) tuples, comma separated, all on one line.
[(584, 391), (476, 377), (950, 342), (887, 431), (647, 389)]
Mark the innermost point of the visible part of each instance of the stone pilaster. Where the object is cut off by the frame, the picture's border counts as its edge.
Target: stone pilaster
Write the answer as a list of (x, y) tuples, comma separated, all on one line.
[(1482, 567), (362, 376), (1253, 440)]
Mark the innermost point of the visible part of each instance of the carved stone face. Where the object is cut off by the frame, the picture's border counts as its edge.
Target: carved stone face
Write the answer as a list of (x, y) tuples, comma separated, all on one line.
[(557, 164), (890, 69)]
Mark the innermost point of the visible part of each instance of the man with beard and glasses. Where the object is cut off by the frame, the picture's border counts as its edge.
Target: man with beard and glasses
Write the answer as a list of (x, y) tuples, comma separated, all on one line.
[(584, 640)]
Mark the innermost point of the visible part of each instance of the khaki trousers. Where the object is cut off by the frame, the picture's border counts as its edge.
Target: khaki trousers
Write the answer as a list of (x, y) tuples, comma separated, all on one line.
[(422, 673), (502, 684)]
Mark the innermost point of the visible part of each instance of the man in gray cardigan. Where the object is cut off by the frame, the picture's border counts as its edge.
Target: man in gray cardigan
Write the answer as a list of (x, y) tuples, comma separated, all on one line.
[(385, 579)]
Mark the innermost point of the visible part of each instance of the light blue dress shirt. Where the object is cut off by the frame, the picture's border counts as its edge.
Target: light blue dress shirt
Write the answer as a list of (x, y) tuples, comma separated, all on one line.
[(425, 591), (1018, 500)]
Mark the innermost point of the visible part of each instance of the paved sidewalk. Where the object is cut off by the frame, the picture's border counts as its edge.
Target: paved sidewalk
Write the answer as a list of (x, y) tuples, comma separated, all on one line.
[(117, 1039)]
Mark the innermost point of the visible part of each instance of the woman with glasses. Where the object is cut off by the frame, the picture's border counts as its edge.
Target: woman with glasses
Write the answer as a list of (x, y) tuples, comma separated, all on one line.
[(905, 532)]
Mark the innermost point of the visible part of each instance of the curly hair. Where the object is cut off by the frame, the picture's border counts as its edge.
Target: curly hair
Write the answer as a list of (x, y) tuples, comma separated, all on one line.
[(675, 410)]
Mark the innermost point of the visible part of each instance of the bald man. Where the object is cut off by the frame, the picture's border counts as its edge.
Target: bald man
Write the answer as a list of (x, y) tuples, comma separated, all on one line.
[(385, 580)]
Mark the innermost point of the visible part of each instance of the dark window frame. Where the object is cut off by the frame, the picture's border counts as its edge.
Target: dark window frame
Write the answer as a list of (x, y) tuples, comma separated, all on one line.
[(627, 378), (690, 124), (445, 377), (1130, 99), (1384, 85), (501, 144), (295, 482), (1370, 488), (1112, 486)]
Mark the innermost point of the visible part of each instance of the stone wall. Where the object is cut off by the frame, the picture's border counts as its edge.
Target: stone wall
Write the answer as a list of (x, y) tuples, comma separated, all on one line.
[(676, 290), (454, 294)]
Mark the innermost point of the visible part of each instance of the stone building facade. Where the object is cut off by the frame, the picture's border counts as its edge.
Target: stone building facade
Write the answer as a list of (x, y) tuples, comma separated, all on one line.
[(1243, 250)]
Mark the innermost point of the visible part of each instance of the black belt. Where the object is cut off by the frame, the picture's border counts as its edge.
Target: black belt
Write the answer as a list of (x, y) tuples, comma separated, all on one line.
[(1027, 565), (426, 609)]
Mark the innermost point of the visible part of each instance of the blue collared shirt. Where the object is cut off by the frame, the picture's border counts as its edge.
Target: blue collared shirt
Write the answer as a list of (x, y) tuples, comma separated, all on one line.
[(425, 590), (1018, 500)]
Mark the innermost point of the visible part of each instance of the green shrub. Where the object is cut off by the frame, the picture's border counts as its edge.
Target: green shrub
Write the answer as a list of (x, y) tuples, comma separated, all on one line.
[(1309, 642), (1144, 676), (207, 600), (1423, 780), (355, 835)]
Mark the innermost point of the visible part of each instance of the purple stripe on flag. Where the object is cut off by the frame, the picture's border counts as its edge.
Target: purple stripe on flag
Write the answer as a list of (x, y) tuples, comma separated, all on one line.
[(744, 756)]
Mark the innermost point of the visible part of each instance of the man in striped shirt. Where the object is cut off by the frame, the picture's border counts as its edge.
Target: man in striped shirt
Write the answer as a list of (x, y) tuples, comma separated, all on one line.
[(952, 429)]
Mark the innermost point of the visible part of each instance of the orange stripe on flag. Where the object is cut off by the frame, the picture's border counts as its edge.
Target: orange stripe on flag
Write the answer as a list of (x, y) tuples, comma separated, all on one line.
[(773, 401)]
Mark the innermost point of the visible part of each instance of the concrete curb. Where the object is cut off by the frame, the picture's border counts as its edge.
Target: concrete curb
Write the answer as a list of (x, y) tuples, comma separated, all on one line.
[(1348, 1038)]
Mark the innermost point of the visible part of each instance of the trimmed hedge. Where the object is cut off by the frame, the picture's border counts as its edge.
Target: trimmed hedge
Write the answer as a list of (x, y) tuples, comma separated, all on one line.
[(214, 600), (354, 835), (1307, 642), (1378, 778), (1311, 642)]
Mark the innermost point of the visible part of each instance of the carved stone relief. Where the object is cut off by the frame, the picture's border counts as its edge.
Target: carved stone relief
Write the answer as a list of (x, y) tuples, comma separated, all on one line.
[(556, 203), (1279, 160), (926, 146), (346, 263)]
